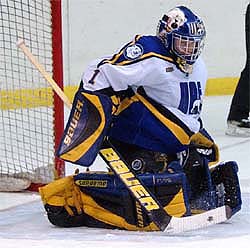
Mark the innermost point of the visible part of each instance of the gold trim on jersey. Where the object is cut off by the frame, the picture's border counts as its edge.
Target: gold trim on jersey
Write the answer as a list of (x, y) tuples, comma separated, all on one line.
[(144, 56), (116, 56), (114, 59), (126, 103)]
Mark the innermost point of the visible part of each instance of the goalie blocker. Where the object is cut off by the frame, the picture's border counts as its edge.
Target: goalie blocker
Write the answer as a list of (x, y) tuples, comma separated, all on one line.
[(100, 199)]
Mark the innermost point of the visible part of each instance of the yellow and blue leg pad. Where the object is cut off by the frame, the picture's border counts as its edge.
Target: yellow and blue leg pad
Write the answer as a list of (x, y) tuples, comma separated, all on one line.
[(88, 122), (100, 199), (112, 203)]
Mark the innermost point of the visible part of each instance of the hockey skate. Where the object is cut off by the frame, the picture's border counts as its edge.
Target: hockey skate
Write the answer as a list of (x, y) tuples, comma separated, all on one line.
[(238, 128)]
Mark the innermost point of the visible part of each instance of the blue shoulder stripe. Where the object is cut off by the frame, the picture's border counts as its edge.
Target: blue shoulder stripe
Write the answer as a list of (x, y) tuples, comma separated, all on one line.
[(142, 47)]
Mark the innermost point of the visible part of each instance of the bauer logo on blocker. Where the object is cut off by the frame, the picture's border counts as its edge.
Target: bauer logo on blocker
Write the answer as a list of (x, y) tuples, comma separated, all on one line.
[(133, 51)]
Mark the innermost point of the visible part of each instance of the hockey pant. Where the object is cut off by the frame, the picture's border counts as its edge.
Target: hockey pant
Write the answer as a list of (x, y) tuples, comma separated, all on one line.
[(136, 120)]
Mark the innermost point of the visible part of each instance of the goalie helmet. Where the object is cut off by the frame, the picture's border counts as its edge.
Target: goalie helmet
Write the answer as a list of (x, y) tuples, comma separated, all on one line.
[(183, 33)]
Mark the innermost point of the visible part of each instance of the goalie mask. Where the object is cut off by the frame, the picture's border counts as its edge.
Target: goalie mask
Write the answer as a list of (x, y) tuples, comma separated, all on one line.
[(183, 33)]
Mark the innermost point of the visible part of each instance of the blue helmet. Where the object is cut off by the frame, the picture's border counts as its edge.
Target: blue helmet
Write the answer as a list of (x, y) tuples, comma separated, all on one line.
[(183, 33)]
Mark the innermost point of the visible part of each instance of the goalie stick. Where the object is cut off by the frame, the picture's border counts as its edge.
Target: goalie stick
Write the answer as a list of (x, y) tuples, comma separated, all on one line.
[(198, 221), (152, 207), (44, 73), (149, 203)]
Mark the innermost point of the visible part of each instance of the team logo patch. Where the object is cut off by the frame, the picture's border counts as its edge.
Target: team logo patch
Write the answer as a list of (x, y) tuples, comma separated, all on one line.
[(169, 69), (196, 28), (92, 183), (133, 52), (137, 164)]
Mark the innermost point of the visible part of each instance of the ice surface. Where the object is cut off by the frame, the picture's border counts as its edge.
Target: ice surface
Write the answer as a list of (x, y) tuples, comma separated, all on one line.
[(23, 222)]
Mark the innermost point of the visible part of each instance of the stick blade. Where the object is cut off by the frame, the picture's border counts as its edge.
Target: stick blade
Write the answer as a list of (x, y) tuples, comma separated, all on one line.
[(198, 221)]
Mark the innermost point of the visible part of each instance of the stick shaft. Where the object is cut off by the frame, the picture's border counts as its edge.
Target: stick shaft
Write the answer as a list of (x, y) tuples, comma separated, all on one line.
[(44, 73)]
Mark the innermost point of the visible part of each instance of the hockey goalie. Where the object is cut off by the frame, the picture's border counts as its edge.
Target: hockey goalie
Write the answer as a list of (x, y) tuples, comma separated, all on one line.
[(140, 109)]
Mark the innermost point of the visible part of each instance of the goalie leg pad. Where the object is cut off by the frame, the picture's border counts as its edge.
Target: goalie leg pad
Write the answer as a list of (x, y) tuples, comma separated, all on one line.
[(88, 122), (63, 203), (102, 200)]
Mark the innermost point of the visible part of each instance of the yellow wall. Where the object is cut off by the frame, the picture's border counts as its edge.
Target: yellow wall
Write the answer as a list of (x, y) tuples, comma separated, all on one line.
[(26, 98), (221, 86), (215, 87)]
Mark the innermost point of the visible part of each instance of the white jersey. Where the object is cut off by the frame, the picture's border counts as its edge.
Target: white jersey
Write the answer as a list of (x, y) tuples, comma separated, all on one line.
[(146, 62)]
